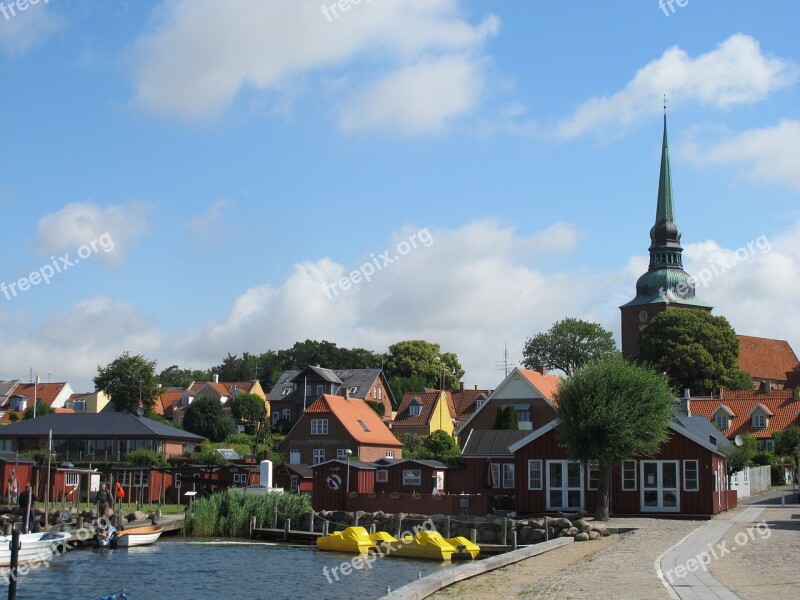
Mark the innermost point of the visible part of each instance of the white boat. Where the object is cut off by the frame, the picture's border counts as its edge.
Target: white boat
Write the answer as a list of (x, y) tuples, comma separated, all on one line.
[(136, 536), (37, 547)]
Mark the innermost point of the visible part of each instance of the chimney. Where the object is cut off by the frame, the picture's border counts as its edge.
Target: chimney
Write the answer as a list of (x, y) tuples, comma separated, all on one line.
[(317, 365), (476, 386), (686, 402), (541, 369), (347, 394), (215, 378), (461, 386), (764, 387)]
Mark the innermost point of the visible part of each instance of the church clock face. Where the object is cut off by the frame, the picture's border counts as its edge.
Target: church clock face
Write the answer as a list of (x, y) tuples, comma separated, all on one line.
[(643, 316)]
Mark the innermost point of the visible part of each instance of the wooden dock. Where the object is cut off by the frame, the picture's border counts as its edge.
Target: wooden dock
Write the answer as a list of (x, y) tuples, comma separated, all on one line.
[(284, 535)]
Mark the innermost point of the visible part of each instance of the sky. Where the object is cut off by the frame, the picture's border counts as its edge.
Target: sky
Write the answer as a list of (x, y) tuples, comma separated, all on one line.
[(184, 179)]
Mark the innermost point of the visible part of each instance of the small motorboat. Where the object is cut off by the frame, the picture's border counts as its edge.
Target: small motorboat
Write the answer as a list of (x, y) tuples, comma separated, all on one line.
[(465, 549), (37, 547), (353, 540), (426, 544), (136, 536), (121, 595)]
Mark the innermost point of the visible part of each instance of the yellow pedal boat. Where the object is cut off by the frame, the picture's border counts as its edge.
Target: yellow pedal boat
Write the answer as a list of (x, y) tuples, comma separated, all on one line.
[(353, 540), (465, 549), (426, 544)]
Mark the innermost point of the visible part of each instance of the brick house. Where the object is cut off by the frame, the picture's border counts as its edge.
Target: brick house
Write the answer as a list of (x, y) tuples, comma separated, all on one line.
[(21, 396), (423, 413), (771, 363), (333, 424), (531, 393), (465, 403), (224, 391), (296, 390)]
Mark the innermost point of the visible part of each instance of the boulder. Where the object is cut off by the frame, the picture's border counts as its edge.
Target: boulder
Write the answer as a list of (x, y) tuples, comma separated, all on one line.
[(524, 534), (582, 524), (599, 528), (488, 536), (564, 523), (594, 535), (537, 534), (572, 531), (582, 537)]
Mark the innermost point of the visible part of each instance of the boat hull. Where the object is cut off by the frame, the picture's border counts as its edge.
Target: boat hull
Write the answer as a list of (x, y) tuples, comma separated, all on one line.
[(353, 540), (465, 549), (426, 544), (34, 547), (136, 536)]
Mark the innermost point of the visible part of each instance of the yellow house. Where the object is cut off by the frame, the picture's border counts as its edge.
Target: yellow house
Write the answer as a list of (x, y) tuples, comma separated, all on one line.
[(94, 402), (423, 413)]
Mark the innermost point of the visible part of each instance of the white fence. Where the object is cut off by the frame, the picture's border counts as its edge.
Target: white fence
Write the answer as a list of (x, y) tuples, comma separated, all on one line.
[(752, 480)]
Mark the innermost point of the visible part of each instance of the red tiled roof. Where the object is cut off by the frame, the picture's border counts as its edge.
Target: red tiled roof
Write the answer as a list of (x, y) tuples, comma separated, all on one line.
[(165, 401), (765, 358), (546, 384), (349, 412), (428, 402), (45, 392), (781, 403), (464, 402)]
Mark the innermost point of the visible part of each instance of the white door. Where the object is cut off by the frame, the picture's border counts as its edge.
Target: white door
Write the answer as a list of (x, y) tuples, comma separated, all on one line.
[(564, 485), (294, 457), (660, 486)]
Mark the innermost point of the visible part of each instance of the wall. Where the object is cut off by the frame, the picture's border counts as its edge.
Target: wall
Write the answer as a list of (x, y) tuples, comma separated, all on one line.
[(760, 480)]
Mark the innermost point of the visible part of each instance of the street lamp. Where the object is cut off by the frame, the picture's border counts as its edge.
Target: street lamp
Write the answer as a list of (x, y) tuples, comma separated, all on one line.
[(348, 453)]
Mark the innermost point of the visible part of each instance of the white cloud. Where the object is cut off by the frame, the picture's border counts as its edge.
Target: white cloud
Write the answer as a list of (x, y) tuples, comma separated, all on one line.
[(202, 54), (80, 223), (736, 72), (21, 31), (204, 226), (770, 154)]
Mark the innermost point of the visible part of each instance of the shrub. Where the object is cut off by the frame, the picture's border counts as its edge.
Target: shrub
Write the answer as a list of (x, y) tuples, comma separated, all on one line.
[(145, 458)]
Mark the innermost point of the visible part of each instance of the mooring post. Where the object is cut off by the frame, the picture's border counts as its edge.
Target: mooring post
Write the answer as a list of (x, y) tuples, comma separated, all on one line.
[(252, 525), (325, 528), (505, 531), (355, 518), (287, 526), (14, 560), (514, 539), (447, 527), (311, 523), (399, 520), (275, 518), (546, 529), (473, 535), (372, 528)]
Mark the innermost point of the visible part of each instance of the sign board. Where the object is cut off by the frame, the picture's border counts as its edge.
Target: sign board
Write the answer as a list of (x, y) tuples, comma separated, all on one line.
[(177, 480), (334, 482), (787, 464)]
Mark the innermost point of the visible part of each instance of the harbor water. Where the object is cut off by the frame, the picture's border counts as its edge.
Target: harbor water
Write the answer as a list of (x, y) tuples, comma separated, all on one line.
[(189, 569)]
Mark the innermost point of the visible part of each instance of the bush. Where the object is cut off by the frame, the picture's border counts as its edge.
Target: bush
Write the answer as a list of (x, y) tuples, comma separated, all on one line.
[(378, 407), (228, 513), (14, 416), (240, 438), (145, 458)]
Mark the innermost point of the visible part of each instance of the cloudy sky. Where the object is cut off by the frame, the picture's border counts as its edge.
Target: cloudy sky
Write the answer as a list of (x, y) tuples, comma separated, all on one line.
[(189, 178)]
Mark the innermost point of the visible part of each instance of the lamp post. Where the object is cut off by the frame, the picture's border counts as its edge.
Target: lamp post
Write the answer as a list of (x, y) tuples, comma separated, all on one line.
[(348, 453)]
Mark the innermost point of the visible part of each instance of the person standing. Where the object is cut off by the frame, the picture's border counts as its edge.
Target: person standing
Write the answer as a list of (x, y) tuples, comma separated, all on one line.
[(103, 500), (27, 501), (13, 487)]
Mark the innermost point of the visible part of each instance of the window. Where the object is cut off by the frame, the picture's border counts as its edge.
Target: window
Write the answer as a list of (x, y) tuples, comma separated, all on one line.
[(594, 474), (286, 391), (353, 390), (523, 414), (412, 477), (320, 389), (294, 457), (508, 475), (319, 426), (71, 479), (79, 405), (293, 483), (374, 393), (240, 479), (363, 425), (276, 416), (341, 454), (319, 456), (286, 413), (690, 476), (534, 474), (414, 409), (380, 393), (382, 476), (390, 454), (629, 475), (722, 422), (770, 445), (496, 475), (744, 474), (759, 421), (479, 402)]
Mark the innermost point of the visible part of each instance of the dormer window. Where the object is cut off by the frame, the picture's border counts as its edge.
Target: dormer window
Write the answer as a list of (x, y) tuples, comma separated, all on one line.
[(723, 422), (414, 409), (480, 402), (353, 390), (759, 421)]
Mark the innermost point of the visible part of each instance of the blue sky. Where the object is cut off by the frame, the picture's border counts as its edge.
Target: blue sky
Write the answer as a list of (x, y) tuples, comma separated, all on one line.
[(242, 155)]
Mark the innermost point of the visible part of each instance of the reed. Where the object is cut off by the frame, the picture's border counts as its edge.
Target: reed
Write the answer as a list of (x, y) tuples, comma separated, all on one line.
[(228, 513)]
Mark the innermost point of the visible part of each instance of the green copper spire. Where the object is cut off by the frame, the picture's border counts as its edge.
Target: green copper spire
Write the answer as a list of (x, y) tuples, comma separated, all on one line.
[(665, 210)]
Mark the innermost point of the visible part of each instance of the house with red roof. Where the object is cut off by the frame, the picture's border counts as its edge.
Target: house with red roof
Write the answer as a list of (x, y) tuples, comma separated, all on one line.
[(224, 391), (532, 394), (757, 412), (332, 425), (465, 402), (771, 363), (422, 413), (23, 395)]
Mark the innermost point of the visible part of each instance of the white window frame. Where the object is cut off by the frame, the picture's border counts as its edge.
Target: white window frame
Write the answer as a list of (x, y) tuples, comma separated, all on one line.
[(565, 488), (745, 471), (319, 426), (390, 454), (534, 471), (593, 474), (341, 454), (286, 413), (318, 456), (691, 485), (629, 467), (769, 445), (293, 483), (508, 476), (380, 393), (412, 477), (479, 402), (722, 422), (72, 479), (759, 421), (381, 476), (496, 475), (414, 409)]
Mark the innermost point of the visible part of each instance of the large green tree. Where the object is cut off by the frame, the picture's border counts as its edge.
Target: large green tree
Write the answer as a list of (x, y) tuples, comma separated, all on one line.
[(696, 350), (568, 345), (174, 376), (129, 380), (506, 418), (740, 457), (611, 411), (205, 417), (424, 360), (786, 441), (42, 409), (247, 407)]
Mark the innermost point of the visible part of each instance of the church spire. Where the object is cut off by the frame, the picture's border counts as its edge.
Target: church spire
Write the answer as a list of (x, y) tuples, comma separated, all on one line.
[(665, 210)]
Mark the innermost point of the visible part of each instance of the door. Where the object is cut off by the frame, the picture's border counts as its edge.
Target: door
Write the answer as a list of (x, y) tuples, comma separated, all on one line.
[(564, 485), (660, 488)]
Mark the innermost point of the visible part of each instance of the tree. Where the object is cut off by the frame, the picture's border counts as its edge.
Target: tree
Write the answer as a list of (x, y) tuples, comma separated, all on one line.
[(205, 417), (696, 350), (439, 445), (740, 457), (127, 381), (506, 418), (42, 408), (402, 385), (611, 411), (174, 376), (786, 441), (423, 360), (378, 407), (568, 345), (248, 408)]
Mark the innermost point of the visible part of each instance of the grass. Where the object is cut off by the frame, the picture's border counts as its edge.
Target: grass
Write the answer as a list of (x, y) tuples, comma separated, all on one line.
[(228, 513)]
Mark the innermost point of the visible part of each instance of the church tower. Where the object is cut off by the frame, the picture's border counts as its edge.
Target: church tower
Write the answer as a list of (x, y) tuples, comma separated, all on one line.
[(666, 285)]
